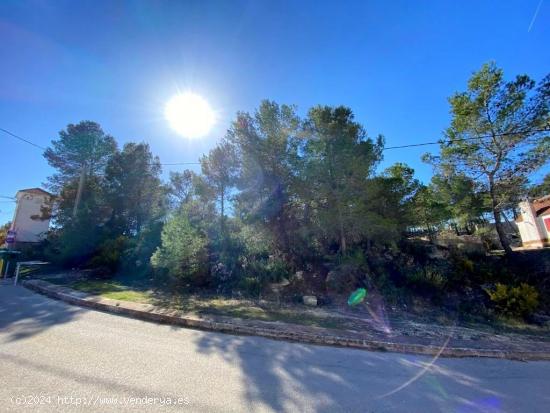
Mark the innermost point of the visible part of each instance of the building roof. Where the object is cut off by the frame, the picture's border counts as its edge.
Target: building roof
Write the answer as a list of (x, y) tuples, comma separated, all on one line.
[(541, 205), (36, 191)]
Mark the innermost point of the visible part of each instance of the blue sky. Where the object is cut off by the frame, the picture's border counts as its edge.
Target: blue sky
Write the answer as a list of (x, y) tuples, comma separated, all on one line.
[(117, 63)]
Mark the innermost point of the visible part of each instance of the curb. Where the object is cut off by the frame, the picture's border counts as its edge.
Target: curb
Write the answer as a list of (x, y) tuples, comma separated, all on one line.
[(271, 330)]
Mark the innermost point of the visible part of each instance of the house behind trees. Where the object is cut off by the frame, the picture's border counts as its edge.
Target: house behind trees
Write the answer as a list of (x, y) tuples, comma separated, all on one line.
[(30, 220), (534, 222)]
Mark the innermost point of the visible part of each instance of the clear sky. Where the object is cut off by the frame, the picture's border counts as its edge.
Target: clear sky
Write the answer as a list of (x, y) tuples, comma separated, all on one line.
[(115, 62)]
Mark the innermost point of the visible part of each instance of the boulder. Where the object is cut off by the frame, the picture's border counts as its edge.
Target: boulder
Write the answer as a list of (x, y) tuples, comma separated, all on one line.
[(310, 300)]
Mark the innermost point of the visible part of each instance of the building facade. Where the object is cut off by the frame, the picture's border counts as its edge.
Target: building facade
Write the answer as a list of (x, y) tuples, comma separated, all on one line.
[(31, 220), (534, 222)]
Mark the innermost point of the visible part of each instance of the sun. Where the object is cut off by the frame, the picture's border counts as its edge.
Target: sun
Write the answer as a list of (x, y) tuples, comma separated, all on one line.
[(190, 115)]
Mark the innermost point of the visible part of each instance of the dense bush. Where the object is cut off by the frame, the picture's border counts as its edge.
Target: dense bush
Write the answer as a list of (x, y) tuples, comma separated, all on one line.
[(226, 261), (343, 278), (109, 254), (250, 286), (428, 278), (488, 237), (350, 272), (183, 253), (4, 233), (260, 271), (138, 256), (74, 245), (518, 301)]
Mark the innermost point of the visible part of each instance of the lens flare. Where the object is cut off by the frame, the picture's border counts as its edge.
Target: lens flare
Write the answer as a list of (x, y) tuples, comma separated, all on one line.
[(357, 297)]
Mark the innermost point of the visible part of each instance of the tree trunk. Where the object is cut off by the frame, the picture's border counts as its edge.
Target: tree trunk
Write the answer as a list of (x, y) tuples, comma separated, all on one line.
[(455, 227), (343, 246), (501, 233), (430, 233), (282, 227), (222, 224), (79, 190), (139, 218), (498, 223)]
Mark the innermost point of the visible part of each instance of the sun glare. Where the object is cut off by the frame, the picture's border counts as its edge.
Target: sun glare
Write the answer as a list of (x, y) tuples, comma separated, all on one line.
[(190, 115)]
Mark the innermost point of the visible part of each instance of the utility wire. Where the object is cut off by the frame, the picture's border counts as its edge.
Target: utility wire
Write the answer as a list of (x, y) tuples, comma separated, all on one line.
[(181, 163), (43, 148), (22, 139), (438, 142)]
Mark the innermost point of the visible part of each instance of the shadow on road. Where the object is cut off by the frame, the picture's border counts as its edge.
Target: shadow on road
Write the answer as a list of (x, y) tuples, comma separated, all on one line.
[(23, 313), (281, 376), (277, 374)]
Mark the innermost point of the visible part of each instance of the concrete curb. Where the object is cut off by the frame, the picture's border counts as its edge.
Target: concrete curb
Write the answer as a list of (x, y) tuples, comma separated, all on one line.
[(267, 329)]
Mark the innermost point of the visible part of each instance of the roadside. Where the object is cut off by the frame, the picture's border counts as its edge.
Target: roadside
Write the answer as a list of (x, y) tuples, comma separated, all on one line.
[(59, 351), (370, 329)]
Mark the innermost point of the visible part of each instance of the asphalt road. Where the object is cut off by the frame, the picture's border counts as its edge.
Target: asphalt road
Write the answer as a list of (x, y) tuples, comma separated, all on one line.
[(56, 357)]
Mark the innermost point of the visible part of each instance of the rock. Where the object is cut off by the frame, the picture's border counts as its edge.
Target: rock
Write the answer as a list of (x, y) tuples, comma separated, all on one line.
[(310, 300), (278, 286), (332, 276), (284, 282)]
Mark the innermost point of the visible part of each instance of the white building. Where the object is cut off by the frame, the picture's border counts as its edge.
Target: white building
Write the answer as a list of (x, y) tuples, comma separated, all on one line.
[(30, 222), (534, 222)]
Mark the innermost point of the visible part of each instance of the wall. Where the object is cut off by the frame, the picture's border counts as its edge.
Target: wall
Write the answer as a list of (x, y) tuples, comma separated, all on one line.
[(532, 230), (28, 229), (542, 227)]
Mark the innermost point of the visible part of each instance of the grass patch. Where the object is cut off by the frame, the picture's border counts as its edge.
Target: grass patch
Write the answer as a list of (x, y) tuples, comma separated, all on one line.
[(234, 308), (221, 306), (203, 305), (112, 290)]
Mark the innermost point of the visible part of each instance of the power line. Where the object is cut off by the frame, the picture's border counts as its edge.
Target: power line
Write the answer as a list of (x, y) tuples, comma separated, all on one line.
[(438, 142), (43, 148), (181, 163), (22, 139)]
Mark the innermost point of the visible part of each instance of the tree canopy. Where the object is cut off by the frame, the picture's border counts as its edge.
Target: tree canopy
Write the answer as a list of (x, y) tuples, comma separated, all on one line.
[(498, 136), (283, 193)]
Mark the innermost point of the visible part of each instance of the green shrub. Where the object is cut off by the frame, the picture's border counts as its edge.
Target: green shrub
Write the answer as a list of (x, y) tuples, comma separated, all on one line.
[(465, 265), (428, 277), (109, 254), (392, 294), (488, 237), (266, 270), (473, 270), (277, 269), (514, 301), (182, 253), (226, 255), (137, 258), (345, 278), (251, 275), (250, 286), (74, 244)]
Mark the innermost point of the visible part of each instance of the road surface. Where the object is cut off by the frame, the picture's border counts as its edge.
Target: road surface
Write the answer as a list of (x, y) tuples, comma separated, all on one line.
[(57, 357)]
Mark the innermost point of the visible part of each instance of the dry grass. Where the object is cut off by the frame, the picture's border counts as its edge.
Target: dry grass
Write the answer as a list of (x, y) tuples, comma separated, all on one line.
[(220, 306)]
